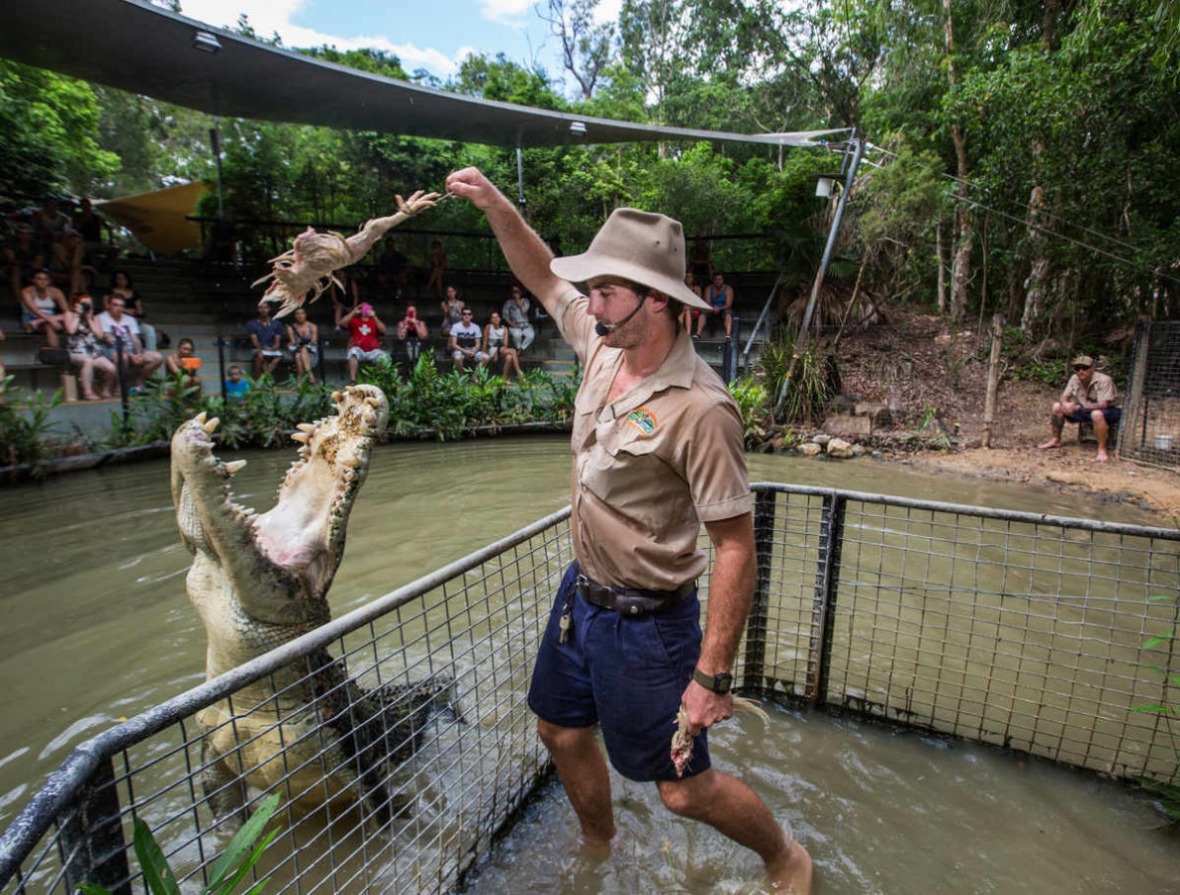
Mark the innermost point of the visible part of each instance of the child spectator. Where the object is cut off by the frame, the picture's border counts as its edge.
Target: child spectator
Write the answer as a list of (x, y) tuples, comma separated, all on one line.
[(304, 339), (236, 384), (183, 364)]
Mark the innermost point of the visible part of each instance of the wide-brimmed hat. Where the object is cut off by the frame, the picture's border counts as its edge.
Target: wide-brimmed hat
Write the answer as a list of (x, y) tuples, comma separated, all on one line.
[(640, 246), (1083, 360)]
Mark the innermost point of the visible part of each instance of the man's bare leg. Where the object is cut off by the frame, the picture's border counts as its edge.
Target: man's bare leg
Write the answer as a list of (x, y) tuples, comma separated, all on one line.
[(1101, 433), (736, 811), (1057, 421), (582, 769)]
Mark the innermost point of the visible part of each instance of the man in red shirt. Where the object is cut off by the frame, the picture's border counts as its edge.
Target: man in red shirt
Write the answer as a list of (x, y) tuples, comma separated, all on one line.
[(364, 341)]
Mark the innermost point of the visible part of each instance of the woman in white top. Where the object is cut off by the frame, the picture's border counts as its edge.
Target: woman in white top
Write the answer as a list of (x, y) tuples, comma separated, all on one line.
[(496, 345), (43, 308)]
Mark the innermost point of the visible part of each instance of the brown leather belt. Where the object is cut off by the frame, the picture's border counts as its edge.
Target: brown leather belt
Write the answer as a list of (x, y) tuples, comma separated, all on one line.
[(630, 601)]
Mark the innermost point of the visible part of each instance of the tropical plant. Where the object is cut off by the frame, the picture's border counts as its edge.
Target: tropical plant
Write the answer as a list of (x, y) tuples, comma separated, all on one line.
[(813, 383), (228, 872), (753, 401), (1167, 708), (25, 426)]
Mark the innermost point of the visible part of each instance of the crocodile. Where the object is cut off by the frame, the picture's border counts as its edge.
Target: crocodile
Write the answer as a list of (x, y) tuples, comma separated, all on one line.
[(259, 581)]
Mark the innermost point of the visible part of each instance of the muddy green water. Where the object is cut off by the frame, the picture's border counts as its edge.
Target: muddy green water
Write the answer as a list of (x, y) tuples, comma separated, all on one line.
[(96, 627)]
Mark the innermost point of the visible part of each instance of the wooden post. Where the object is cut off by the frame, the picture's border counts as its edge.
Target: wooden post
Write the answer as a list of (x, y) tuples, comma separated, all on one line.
[(993, 380), (1133, 406)]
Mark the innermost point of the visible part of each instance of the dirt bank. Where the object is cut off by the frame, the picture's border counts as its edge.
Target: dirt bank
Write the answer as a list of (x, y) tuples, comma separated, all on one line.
[(928, 372)]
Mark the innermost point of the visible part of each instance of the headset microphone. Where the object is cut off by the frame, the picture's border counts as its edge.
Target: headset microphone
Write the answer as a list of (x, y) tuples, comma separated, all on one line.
[(604, 329)]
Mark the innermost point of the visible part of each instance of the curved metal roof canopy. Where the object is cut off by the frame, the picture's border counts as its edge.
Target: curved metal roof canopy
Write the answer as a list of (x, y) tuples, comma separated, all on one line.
[(147, 50)]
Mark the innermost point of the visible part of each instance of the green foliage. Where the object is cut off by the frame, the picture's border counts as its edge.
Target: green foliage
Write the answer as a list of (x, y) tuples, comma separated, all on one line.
[(811, 389), (1168, 708), (753, 401), (25, 426), (228, 871)]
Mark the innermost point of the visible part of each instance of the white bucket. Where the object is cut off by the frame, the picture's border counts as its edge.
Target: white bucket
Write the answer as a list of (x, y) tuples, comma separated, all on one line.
[(1163, 442)]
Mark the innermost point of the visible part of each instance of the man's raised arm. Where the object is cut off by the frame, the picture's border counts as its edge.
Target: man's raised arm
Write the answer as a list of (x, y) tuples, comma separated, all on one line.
[(527, 254)]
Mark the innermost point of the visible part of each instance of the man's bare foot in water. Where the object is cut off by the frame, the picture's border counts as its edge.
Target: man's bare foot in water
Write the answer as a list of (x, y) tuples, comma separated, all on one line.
[(790, 873), (1102, 457), (1051, 443)]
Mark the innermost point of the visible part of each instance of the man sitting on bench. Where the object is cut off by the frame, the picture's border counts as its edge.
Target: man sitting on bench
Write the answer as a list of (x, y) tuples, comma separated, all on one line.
[(1088, 396)]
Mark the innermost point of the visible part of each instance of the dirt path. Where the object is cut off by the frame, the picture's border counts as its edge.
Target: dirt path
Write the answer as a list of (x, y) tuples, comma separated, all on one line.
[(924, 369)]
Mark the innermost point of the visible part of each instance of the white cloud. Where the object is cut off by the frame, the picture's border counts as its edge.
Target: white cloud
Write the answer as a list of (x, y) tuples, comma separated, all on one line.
[(269, 17), (505, 11)]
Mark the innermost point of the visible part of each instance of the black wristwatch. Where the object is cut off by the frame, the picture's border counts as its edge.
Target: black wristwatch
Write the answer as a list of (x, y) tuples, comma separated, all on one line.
[(718, 683)]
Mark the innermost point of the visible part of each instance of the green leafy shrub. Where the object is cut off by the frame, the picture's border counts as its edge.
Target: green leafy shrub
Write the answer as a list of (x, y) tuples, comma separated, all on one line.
[(25, 426)]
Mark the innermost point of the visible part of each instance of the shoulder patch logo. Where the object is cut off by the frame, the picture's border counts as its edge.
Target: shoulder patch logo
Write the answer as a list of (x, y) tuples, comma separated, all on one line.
[(641, 418)]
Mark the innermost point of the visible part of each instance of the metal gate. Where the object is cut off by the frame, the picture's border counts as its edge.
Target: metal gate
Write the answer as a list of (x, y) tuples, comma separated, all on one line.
[(1150, 428)]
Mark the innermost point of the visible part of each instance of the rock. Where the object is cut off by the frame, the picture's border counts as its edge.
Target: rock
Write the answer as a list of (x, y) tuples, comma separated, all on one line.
[(878, 413), (810, 449), (839, 448), (847, 426), (859, 450), (822, 439), (877, 455)]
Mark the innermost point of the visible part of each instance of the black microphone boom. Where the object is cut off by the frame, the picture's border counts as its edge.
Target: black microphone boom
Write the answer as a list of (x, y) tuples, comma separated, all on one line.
[(604, 329)]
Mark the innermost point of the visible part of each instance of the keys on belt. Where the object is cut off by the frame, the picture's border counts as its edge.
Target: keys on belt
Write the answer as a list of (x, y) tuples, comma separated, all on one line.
[(630, 601)]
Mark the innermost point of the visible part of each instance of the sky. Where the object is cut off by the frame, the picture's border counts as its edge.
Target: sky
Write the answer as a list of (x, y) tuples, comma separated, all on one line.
[(432, 34)]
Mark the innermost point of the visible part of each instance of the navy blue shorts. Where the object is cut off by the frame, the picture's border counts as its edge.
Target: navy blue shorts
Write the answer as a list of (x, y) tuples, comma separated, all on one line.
[(624, 674), (1110, 414)]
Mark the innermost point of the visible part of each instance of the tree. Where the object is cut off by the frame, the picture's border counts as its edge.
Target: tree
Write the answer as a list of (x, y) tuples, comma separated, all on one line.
[(586, 47)]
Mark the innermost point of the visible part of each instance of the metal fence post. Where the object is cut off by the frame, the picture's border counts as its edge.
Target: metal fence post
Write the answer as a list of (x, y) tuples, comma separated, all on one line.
[(754, 665), (92, 835), (827, 576), (220, 343)]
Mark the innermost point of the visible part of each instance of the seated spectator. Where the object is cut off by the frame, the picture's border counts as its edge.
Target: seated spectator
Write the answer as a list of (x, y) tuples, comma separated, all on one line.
[(690, 317), (464, 340), (452, 309), (61, 242), (1089, 395), (120, 331), (392, 269), (95, 250), (303, 336), (132, 306), (438, 269), (84, 344), (496, 345), (411, 332), (43, 308), (516, 315), (184, 365), (365, 330), (266, 338), (236, 383), (23, 256), (719, 297)]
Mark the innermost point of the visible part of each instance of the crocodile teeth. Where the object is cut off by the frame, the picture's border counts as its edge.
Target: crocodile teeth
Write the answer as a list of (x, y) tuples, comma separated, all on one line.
[(300, 437), (350, 462), (306, 427), (201, 417), (210, 426), (337, 396), (234, 465)]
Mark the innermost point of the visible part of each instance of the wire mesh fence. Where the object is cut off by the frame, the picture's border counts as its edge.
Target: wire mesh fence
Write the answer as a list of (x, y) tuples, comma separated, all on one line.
[(400, 740), (1150, 428)]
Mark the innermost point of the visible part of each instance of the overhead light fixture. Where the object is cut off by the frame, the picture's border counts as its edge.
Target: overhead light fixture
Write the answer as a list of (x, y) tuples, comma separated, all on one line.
[(823, 184), (206, 42), (577, 128)]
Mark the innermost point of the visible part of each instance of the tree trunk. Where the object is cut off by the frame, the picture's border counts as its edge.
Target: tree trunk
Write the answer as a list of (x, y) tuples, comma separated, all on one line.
[(941, 250), (961, 265)]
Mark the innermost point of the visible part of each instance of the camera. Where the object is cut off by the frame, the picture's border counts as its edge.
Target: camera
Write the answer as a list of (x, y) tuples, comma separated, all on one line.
[(85, 306)]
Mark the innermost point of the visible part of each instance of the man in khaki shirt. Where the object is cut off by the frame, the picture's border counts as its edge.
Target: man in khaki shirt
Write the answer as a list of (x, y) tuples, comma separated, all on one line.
[(657, 445), (1089, 395)]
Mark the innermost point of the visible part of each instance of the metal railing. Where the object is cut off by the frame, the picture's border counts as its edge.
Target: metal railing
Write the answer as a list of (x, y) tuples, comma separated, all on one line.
[(1014, 629), (1150, 428)]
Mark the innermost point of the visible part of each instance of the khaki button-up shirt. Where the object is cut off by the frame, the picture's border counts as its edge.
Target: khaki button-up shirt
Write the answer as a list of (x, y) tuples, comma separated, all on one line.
[(1102, 388), (653, 465)]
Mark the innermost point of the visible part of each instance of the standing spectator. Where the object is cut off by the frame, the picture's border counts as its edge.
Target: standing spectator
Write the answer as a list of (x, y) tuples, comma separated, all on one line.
[(84, 344), (266, 338), (392, 268), (438, 269), (701, 262), (304, 339), (43, 308), (464, 342), (60, 240), (121, 330), (132, 306), (95, 250), (719, 297), (236, 383), (185, 365), (411, 331), (452, 309), (365, 330), (24, 257), (496, 345), (516, 315)]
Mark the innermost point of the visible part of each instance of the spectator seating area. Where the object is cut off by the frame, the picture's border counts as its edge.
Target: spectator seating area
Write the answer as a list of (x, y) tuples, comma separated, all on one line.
[(211, 302)]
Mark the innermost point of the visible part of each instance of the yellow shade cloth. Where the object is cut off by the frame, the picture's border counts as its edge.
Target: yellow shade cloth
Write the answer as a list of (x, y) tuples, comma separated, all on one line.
[(159, 219)]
